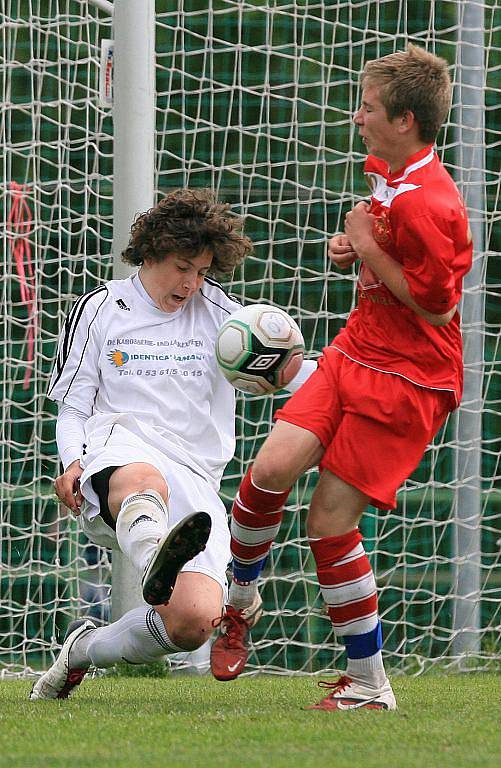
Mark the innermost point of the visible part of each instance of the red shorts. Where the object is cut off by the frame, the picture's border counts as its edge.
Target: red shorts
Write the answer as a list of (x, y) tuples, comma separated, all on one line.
[(374, 426)]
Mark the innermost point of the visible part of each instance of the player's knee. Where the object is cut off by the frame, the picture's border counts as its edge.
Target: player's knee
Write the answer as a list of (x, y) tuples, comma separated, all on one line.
[(270, 471), (314, 527), (191, 628), (151, 479), (134, 478), (331, 518)]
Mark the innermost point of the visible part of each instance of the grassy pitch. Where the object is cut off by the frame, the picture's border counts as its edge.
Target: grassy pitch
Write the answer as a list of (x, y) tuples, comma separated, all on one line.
[(197, 722)]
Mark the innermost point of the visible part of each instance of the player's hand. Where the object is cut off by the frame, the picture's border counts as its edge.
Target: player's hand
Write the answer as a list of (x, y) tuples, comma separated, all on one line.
[(67, 487), (358, 224), (340, 251)]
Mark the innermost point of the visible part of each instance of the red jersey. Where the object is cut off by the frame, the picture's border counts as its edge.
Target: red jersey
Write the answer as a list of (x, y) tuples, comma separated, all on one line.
[(422, 223)]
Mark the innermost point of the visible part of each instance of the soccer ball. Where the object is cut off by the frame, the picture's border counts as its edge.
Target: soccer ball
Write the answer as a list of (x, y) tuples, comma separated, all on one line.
[(259, 349)]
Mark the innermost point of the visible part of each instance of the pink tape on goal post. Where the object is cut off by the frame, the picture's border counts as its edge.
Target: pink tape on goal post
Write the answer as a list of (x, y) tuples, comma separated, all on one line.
[(18, 228)]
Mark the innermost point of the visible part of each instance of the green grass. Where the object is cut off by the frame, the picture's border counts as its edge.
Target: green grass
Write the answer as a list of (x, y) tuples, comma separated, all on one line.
[(176, 721)]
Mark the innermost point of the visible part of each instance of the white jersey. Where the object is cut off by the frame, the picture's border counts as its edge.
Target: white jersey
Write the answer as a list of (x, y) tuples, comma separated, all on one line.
[(122, 360)]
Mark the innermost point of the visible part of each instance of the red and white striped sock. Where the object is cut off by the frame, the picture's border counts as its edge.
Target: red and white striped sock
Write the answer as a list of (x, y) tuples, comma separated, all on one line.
[(349, 590), (256, 518)]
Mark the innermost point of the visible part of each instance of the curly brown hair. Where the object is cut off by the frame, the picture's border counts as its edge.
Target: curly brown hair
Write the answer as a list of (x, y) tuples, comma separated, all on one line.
[(414, 80), (189, 222)]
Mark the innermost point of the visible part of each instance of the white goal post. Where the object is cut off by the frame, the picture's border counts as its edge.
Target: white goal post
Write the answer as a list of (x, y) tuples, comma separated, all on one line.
[(255, 100)]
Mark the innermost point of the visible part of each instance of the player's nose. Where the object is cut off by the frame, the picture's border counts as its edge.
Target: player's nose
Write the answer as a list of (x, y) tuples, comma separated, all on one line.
[(190, 283)]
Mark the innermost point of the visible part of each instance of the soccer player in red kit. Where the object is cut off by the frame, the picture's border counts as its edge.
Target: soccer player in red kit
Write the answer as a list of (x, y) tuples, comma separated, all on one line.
[(383, 387)]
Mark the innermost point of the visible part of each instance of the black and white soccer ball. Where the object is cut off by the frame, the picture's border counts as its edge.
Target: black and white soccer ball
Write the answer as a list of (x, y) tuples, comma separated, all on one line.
[(259, 349)]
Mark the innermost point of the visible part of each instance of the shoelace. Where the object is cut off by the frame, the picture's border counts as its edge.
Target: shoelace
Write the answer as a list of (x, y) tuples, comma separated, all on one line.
[(337, 686), (234, 622)]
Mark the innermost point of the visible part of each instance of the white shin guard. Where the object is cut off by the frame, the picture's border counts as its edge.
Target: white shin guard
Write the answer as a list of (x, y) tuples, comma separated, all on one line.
[(141, 523)]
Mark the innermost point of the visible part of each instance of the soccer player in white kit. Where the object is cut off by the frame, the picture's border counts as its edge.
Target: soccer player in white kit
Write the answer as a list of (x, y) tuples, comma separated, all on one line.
[(145, 429)]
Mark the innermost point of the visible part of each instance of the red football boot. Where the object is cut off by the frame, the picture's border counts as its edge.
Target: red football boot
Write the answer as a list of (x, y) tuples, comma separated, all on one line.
[(231, 648)]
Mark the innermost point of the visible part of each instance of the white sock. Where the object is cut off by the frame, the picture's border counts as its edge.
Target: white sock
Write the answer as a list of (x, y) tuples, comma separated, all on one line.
[(141, 523), (370, 670), (242, 595), (139, 637)]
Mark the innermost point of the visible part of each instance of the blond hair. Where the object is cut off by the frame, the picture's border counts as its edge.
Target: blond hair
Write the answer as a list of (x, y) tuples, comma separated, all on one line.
[(413, 80)]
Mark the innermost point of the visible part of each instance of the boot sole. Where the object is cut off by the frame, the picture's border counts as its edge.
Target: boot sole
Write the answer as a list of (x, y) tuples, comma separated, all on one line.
[(186, 540)]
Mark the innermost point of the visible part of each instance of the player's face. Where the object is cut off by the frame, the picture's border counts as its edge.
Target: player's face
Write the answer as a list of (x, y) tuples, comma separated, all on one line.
[(380, 135), (173, 281)]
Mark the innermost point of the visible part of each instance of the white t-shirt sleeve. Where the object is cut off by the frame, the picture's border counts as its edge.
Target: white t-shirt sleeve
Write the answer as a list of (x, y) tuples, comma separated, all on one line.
[(75, 378), (304, 373), (70, 434)]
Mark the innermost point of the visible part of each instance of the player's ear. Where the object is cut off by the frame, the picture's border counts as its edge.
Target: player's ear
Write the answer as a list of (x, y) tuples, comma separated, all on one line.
[(407, 121)]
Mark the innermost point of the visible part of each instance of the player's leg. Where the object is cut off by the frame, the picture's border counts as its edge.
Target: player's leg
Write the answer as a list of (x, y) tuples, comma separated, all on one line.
[(133, 500), (137, 504), (257, 511), (256, 517), (386, 426), (349, 591), (143, 635), (304, 426), (146, 634), (188, 617)]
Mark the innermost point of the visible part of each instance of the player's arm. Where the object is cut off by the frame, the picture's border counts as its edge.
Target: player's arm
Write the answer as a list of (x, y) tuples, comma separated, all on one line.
[(74, 383), (75, 378), (358, 228), (70, 435)]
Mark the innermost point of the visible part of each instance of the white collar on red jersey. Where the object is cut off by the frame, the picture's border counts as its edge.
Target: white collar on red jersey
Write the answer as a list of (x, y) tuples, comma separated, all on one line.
[(386, 194), (385, 189), (414, 166)]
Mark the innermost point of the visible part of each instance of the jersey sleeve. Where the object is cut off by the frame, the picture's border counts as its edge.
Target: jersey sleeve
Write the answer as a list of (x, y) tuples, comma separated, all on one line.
[(70, 434), (428, 255), (75, 377), (304, 373)]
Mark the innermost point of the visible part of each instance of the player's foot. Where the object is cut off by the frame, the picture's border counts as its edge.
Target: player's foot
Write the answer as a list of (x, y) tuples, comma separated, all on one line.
[(177, 547), (348, 694), (59, 681), (230, 650)]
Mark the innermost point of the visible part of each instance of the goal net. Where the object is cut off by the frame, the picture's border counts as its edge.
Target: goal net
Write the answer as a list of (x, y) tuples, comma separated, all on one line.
[(254, 99)]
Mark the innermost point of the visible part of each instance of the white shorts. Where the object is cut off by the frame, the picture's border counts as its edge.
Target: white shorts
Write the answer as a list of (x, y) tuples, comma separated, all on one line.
[(188, 492)]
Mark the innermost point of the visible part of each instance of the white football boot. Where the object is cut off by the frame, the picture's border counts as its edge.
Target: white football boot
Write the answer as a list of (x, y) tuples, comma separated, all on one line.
[(59, 681), (346, 694)]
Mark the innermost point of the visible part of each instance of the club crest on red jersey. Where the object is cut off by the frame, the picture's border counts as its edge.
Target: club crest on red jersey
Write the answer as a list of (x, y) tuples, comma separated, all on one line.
[(381, 228)]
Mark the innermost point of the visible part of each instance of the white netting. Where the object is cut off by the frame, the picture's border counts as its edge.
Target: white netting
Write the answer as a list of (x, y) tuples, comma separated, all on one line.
[(254, 99), (56, 199)]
